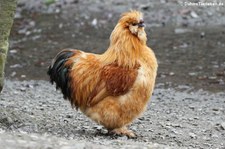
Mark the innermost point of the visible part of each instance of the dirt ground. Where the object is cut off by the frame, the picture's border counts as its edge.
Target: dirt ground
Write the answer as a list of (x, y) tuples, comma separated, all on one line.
[(187, 109), (188, 40)]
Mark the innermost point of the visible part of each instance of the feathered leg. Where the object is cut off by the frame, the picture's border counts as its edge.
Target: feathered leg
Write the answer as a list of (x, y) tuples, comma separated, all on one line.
[(123, 131)]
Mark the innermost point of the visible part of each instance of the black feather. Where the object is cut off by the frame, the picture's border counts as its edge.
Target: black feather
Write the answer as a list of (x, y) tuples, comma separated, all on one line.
[(59, 72)]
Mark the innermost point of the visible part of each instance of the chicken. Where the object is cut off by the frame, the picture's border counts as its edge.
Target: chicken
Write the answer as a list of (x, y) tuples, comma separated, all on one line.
[(112, 88)]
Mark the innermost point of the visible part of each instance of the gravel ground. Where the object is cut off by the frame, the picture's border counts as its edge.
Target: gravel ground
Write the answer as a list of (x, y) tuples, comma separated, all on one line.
[(157, 13), (34, 115), (36, 141)]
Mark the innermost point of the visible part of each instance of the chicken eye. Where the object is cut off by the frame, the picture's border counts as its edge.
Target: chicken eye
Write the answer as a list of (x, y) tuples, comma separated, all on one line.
[(142, 21)]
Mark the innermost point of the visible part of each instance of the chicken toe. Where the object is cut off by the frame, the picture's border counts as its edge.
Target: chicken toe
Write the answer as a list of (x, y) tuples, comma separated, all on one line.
[(123, 131)]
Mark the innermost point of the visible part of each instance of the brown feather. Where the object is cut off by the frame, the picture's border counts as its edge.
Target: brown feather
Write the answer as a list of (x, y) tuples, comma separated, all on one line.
[(118, 79)]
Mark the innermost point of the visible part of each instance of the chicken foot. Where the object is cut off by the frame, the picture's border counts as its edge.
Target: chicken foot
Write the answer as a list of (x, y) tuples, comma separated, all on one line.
[(123, 131)]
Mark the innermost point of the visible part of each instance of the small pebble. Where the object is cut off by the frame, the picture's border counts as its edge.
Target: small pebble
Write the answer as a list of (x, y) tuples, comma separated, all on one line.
[(223, 125), (192, 73), (194, 14), (192, 135)]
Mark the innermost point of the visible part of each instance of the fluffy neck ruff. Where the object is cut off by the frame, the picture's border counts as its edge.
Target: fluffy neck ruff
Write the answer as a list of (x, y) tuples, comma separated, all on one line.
[(125, 48)]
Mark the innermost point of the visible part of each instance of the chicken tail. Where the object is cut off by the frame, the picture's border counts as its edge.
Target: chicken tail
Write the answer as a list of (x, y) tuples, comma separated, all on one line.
[(59, 72)]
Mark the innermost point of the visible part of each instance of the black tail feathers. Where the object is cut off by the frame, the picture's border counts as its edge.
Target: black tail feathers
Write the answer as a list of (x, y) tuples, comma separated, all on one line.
[(59, 73)]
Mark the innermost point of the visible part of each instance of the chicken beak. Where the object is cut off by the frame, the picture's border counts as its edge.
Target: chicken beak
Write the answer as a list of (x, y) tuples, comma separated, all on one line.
[(141, 24)]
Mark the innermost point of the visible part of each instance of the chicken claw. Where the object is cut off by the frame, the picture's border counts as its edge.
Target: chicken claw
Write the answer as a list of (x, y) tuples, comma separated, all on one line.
[(123, 131)]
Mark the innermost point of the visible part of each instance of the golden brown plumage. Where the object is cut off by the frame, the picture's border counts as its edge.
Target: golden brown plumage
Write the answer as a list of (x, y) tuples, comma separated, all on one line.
[(112, 88)]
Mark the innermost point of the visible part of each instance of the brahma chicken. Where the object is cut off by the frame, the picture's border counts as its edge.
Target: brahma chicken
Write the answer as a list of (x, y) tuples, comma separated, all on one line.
[(112, 88)]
